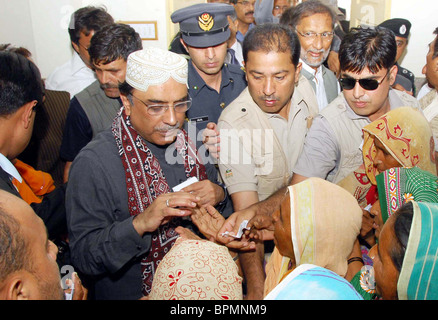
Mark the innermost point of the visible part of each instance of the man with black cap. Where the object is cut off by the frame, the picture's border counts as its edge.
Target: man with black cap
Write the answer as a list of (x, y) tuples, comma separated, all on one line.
[(405, 79), (212, 83)]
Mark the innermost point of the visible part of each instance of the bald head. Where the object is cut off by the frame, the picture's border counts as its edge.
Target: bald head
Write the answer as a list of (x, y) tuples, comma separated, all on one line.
[(28, 268)]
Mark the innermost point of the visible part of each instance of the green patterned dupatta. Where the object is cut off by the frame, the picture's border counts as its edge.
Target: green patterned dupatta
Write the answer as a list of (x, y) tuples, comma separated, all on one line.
[(418, 278), (397, 186)]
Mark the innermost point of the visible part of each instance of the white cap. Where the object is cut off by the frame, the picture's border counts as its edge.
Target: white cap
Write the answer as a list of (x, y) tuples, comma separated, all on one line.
[(154, 66)]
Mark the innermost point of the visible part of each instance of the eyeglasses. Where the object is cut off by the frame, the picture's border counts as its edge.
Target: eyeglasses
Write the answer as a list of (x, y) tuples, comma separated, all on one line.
[(367, 84), (281, 7), (325, 36), (159, 109), (246, 3)]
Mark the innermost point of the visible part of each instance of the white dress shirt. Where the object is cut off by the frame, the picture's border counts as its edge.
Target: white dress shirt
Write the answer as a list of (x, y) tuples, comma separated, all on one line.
[(321, 96), (73, 76), (9, 168)]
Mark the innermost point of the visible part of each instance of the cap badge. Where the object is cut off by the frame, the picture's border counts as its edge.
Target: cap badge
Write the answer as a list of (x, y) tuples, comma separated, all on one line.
[(403, 29), (205, 21)]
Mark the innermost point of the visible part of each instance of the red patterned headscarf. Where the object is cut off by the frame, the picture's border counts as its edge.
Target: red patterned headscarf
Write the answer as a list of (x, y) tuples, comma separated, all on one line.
[(145, 181), (406, 135)]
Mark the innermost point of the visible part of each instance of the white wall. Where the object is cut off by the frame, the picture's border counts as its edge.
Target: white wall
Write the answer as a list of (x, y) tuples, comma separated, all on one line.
[(12, 31), (41, 25)]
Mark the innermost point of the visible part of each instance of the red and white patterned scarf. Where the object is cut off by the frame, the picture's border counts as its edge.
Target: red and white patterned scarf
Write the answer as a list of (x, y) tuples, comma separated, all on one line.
[(145, 181)]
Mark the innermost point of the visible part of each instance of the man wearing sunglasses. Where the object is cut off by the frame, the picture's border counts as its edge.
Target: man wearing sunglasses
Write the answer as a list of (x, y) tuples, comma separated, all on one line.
[(333, 145), (122, 213)]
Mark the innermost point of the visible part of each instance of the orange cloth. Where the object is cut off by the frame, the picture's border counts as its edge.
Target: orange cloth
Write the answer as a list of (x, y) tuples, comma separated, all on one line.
[(35, 183)]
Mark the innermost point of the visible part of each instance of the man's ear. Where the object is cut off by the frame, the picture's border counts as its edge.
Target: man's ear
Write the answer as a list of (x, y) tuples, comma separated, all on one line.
[(392, 74), (14, 287), (297, 72), (27, 114), (75, 47), (126, 103), (184, 44)]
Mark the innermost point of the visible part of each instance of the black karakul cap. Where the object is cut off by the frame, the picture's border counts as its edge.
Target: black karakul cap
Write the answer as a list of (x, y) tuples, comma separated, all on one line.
[(205, 24), (401, 27)]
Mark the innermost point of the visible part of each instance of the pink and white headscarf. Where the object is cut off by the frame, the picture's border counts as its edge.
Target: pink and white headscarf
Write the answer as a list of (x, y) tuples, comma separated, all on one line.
[(197, 270)]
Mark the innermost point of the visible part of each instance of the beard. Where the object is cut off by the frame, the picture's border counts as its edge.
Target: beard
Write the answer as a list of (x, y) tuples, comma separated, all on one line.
[(314, 64)]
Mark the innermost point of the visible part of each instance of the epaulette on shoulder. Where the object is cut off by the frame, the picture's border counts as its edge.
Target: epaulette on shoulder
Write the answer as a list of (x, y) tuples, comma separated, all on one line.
[(234, 69)]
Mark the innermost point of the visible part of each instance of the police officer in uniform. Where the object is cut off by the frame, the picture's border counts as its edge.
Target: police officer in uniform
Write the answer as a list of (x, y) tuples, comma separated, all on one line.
[(401, 29), (213, 84)]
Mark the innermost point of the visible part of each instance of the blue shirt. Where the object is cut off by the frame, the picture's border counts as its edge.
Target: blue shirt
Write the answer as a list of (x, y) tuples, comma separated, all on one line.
[(207, 103), (240, 36)]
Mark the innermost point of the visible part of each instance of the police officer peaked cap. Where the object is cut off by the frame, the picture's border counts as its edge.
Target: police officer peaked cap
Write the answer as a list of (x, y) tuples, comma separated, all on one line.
[(205, 24), (401, 27)]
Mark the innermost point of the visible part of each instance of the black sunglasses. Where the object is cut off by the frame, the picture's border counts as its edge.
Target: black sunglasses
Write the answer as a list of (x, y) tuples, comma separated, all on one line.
[(368, 84)]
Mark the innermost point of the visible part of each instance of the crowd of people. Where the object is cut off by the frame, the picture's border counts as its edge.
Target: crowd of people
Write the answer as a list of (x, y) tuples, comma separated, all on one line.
[(271, 152)]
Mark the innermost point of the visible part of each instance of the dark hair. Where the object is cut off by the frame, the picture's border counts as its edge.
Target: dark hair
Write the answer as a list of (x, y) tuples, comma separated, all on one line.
[(20, 50), (88, 19), (13, 249), (292, 16), (233, 1), (114, 42), (272, 37), (372, 48), (402, 228), (125, 88), (435, 49), (20, 82)]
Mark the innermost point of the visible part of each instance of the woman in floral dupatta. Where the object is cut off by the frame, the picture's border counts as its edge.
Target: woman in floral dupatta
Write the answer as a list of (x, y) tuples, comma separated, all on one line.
[(405, 259), (397, 186), (405, 135)]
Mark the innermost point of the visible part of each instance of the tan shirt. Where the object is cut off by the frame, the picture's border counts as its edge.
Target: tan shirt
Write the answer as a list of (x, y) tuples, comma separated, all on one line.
[(333, 144), (259, 150)]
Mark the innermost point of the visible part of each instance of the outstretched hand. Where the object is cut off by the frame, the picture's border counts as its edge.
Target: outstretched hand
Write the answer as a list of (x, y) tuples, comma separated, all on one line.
[(208, 220), (231, 225)]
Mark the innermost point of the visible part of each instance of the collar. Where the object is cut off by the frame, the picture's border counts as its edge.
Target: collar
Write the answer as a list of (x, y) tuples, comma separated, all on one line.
[(240, 36), (310, 70), (196, 83), (9, 168), (77, 64)]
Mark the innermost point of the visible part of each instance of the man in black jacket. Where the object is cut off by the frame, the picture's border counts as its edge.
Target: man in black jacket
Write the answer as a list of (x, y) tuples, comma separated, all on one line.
[(21, 94)]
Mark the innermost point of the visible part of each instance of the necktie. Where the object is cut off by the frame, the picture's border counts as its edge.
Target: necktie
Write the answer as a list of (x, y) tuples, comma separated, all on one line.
[(233, 59)]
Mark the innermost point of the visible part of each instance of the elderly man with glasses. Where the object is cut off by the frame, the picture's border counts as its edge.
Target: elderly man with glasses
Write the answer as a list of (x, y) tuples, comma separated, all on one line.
[(314, 23), (333, 145), (122, 213)]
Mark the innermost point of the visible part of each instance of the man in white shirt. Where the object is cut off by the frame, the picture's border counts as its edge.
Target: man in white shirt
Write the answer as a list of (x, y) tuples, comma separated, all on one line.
[(314, 23), (77, 73)]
